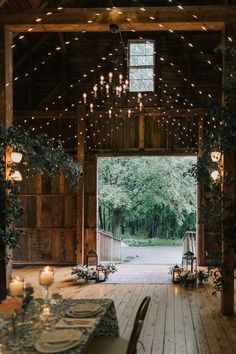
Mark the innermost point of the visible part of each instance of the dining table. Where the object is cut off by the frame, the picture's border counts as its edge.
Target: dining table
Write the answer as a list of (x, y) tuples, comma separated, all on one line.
[(60, 326)]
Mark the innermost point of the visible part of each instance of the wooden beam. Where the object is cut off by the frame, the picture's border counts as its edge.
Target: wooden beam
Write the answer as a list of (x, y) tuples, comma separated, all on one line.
[(6, 117), (229, 192), (162, 112), (124, 27), (141, 133), (80, 193), (227, 293), (99, 19), (200, 240), (32, 49), (2, 2), (45, 114), (62, 41)]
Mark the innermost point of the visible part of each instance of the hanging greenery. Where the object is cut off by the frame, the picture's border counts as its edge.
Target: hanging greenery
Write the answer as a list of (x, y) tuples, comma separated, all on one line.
[(210, 172), (42, 155)]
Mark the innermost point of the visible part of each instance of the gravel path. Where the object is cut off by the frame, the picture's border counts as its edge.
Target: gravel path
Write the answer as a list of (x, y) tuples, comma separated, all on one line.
[(152, 254)]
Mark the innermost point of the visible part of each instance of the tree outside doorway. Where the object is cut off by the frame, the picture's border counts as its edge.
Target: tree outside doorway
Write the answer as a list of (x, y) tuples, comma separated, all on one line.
[(146, 201)]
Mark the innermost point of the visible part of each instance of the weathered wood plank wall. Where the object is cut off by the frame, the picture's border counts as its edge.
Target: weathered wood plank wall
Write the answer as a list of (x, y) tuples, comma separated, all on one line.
[(49, 222), (48, 207)]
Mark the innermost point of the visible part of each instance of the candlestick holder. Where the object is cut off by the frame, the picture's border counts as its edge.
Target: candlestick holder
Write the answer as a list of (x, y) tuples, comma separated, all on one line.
[(46, 278), (16, 286)]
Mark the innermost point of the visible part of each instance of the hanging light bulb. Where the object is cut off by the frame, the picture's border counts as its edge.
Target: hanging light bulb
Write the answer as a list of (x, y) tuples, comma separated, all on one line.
[(16, 157), (16, 176), (109, 113), (215, 156), (107, 89), (91, 107), (95, 89), (215, 175), (127, 83), (101, 79), (124, 88), (129, 113), (140, 106), (139, 96), (110, 75), (85, 97), (117, 90), (120, 79)]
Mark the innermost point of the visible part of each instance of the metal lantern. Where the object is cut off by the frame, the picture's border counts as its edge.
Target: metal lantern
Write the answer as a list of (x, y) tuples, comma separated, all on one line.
[(176, 270), (189, 261), (101, 274), (92, 258)]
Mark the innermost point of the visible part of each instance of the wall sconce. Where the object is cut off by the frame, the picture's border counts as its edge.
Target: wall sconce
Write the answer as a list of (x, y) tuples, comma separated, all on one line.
[(16, 176), (215, 175), (16, 157), (215, 156)]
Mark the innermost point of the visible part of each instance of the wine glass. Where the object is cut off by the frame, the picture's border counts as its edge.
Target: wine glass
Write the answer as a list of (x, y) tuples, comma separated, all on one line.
[(46, 278)]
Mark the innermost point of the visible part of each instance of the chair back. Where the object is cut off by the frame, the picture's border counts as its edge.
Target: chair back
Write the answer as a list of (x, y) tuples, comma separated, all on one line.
[(138, 324)]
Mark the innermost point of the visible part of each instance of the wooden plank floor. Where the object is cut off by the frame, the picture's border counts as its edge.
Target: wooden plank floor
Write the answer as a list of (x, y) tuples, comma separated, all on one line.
[(179, 321)]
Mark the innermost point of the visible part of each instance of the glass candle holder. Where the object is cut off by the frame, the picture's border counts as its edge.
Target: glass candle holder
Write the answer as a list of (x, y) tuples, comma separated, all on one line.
[(16, 286), (46, 278)]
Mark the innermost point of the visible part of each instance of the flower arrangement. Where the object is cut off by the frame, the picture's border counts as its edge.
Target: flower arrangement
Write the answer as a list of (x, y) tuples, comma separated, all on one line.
[(187, 278), (85, 272), (10, 306), (108, 268), (89, 273), (202, 276)]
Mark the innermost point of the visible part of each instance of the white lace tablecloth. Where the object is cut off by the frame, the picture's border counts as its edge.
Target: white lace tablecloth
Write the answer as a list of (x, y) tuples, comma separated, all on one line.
[(22, 342)]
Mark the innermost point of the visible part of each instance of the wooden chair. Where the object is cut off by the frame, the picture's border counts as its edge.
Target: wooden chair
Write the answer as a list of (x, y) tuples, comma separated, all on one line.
[(119, 345)]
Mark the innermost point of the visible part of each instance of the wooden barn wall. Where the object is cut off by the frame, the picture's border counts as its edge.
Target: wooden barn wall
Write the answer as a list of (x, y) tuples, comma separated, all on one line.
[(50, 218), (59, 83), (49, 222), (144, 134)]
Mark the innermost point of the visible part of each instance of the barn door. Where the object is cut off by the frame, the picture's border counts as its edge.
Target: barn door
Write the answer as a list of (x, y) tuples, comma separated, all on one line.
[(49, 222)]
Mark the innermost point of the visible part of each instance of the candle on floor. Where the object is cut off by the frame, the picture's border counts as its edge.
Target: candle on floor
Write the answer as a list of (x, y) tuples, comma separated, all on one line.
[(16, 286)]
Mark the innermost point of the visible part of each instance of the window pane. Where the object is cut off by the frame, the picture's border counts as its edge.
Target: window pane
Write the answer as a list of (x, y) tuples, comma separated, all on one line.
[(141, 66), (137, 48), (141, 60), (141, 73), (141, 85), (149, 48)]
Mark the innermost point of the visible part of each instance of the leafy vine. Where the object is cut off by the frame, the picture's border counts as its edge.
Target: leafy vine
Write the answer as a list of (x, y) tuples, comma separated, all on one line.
[(42, 155), (214, 177)]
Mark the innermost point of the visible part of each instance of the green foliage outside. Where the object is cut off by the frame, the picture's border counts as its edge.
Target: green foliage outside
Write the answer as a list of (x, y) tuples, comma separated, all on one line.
[(146, 200)]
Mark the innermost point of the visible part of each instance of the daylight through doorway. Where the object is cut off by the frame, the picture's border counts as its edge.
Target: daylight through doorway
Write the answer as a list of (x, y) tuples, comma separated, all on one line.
[(148, 203)]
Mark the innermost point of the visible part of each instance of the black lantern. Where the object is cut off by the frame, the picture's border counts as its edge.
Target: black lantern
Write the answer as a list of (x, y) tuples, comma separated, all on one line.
[(176, 270), (92, 258), (101, 273), (189, 262)]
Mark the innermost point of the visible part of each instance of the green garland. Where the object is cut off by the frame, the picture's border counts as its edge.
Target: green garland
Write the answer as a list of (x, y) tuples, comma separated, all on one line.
[(220, 137), (42, 155)]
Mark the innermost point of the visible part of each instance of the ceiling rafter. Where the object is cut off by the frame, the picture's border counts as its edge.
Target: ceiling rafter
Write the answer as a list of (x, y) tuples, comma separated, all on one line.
[(73, 20), (32, 49)]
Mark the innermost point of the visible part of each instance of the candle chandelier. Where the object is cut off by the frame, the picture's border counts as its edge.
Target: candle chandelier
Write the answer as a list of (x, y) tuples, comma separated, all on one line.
[(112, 92)]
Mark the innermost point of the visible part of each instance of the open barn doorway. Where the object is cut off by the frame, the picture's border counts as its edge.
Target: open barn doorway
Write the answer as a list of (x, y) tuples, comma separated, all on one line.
[(146, 207)]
